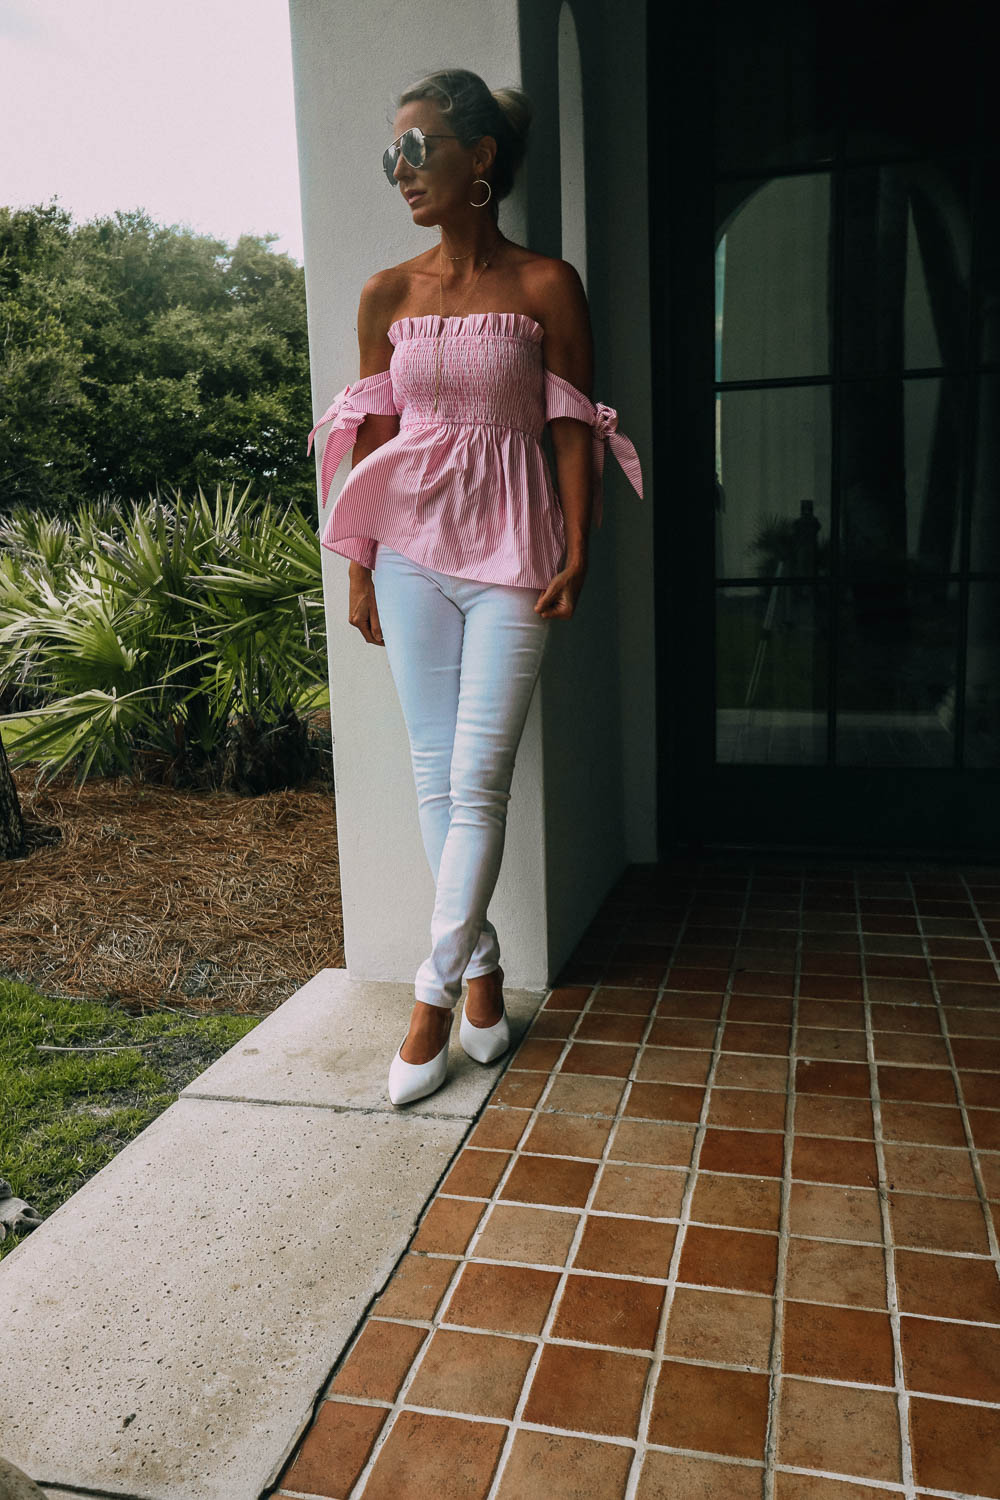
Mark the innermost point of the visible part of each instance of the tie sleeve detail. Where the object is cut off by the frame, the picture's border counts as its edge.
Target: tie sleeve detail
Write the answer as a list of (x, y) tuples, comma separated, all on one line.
[(371, 396), (564, 400)]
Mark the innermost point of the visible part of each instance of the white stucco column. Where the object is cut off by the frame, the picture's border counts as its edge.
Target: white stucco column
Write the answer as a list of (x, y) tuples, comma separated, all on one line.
[(350, 63)]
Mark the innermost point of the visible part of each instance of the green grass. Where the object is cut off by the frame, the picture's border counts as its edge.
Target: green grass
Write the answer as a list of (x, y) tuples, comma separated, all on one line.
[(66, 1114)]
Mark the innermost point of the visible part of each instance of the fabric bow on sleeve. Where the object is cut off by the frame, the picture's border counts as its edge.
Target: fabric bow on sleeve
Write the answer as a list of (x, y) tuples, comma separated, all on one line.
[(370, 396), (564, 400), (606, 435)]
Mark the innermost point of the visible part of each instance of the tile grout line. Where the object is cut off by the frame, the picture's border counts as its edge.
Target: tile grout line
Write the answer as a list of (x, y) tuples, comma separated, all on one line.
[(775, 1372), (888, 1245), (392, 1408), (973, 1152), (544, 1336), (432, 1325), (346, 1399), (629, 916), (991, 947), (984, 1198), (357, 1489), (369, 1314), (684, 1217), (690, 1286)]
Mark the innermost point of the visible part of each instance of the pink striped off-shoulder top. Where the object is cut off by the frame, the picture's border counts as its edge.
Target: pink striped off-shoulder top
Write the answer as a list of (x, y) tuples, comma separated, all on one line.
[(465, 489)]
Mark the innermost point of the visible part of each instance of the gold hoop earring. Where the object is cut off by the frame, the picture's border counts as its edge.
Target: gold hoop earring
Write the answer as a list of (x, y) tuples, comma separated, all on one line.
[(489, 192)]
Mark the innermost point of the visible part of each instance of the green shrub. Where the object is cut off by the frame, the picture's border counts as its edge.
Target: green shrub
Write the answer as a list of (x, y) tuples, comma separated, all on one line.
[(183, 642)]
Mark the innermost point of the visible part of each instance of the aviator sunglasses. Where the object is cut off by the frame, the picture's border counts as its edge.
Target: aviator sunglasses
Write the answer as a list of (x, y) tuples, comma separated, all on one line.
[(412, 145)]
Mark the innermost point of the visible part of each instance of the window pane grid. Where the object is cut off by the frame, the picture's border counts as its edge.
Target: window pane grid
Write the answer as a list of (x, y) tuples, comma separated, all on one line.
[(895, 289)]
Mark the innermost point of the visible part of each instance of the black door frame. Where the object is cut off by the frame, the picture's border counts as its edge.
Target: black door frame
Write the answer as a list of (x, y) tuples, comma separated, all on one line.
[(938, 811)]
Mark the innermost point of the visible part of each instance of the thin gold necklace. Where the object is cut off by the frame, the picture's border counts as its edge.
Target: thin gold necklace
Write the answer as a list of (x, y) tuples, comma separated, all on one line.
[(485, 263)]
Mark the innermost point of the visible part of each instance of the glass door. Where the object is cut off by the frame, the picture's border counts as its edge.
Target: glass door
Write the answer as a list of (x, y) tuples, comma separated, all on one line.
[(833, 305)]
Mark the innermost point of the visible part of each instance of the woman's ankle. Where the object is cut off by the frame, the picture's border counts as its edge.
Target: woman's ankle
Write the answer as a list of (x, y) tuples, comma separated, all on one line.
[(429, 1025), (484, 1002), (427, 1015)]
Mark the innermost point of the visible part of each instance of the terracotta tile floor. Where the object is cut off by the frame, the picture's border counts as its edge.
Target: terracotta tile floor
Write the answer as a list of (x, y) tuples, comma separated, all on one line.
[(727, 1226)]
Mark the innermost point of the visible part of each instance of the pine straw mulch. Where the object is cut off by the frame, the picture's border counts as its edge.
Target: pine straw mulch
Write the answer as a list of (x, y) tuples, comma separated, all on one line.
[(151, 897)]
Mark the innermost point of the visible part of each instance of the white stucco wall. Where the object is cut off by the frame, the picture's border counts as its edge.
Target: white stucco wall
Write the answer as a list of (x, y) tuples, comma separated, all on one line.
[(583, 796), (349, 64), (621, 179), (598, 682)]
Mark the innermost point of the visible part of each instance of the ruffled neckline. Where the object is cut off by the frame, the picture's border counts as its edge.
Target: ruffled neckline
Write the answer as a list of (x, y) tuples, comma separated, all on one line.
[(508, 325)]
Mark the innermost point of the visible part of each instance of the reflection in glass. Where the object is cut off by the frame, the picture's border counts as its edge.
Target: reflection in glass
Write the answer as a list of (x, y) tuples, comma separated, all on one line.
[(988, 311), (773, 482), (982, 677), (771, 664), (906, 266), (900, 457), (774, 89), (896, 667), (984, 555), (771, 316)]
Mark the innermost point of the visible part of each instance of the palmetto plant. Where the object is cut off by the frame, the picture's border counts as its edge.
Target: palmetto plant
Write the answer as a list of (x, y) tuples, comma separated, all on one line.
[(180, 640)]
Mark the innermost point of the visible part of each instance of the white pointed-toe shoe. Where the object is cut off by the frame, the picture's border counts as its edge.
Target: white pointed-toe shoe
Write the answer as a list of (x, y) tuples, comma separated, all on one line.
[(409, 1081), (485, 1043)]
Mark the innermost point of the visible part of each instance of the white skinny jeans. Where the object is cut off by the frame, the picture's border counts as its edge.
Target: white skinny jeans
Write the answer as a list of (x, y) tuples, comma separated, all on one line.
[(465, 657)]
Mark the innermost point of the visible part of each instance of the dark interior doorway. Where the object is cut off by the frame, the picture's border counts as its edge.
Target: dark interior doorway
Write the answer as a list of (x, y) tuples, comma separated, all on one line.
[(825, 210)]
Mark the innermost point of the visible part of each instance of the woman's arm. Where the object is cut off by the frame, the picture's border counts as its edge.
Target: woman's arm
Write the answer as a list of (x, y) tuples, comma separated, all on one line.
[(374, 317), (568, 350)]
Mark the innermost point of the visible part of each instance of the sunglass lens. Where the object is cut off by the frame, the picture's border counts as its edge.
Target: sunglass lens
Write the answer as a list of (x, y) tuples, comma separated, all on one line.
[(413, 147), (411, 143)]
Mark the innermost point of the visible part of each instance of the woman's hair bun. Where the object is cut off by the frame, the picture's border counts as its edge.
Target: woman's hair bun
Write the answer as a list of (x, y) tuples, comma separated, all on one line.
[(518, 110)]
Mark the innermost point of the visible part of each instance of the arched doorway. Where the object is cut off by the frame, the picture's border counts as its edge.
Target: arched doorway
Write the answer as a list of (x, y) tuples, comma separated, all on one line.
[(830, 549)]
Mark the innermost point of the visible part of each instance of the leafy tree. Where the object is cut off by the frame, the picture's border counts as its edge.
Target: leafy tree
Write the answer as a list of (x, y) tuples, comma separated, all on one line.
[(137, 359)]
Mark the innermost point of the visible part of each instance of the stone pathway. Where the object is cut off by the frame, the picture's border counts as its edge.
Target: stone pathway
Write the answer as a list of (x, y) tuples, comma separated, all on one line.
[(728, 1224)]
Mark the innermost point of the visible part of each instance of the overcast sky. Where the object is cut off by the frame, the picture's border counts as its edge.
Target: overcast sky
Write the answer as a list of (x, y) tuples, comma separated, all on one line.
[(180, 107)]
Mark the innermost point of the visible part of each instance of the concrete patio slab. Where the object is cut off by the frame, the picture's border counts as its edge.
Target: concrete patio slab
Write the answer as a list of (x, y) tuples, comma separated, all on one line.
[(331, 1044), (184, 1309)]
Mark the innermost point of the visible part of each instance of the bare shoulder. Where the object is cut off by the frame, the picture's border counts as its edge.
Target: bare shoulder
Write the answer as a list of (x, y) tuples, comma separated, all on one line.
[(387, 293), (553, 280), (380, 297), (558, 294)]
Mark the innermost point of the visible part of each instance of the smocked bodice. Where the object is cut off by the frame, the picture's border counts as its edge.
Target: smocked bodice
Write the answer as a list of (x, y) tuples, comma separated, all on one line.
[(464, 487), (490, 370)]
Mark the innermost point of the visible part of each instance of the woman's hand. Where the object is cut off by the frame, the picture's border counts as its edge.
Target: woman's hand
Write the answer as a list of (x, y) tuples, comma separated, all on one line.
[(362, 610), (558, 600)]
